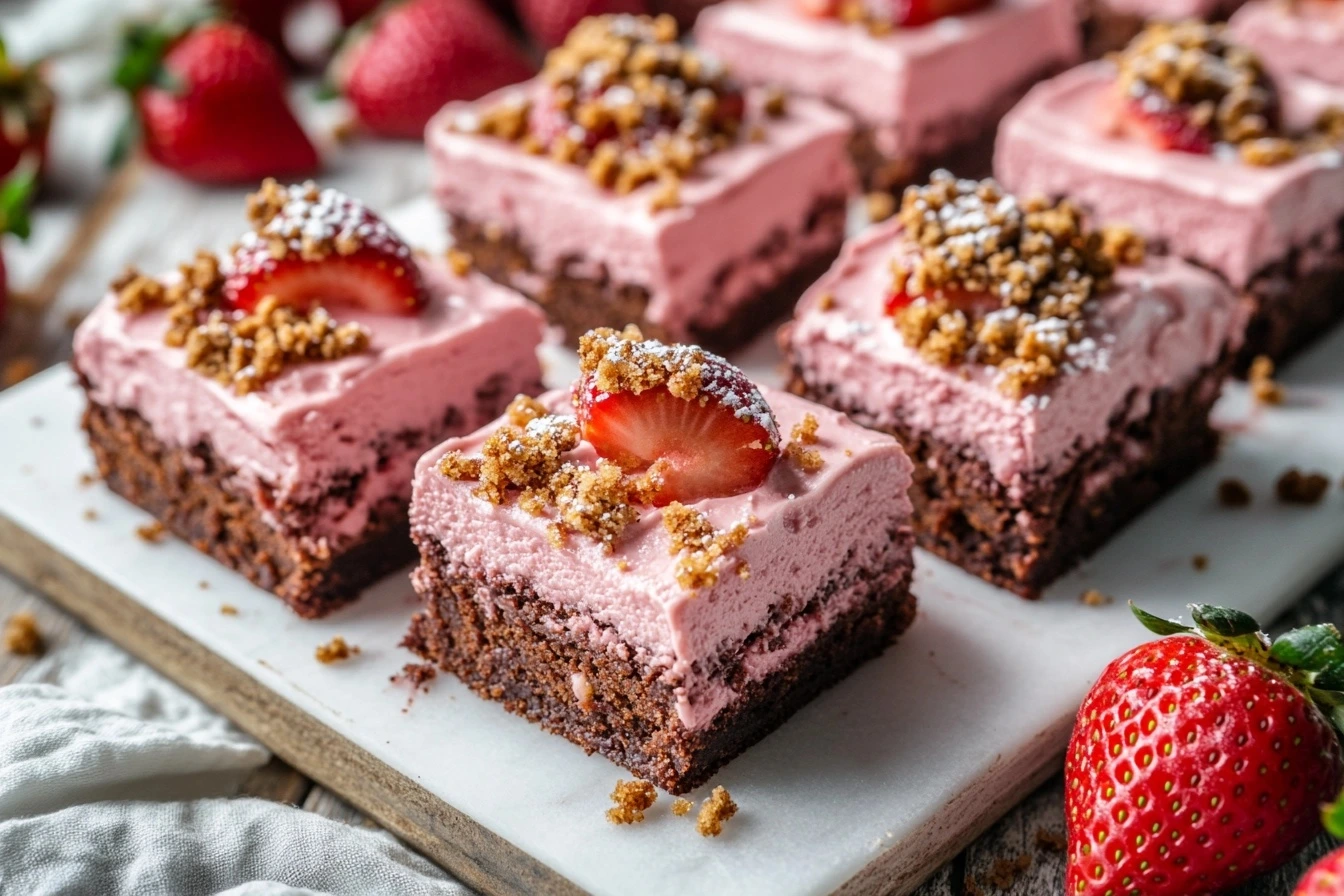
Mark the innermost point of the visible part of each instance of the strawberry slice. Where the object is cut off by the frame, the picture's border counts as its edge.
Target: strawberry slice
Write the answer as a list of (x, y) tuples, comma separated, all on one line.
[(723, 442), (1164, 126), (970, 302), (334, 252), (913, 13), (818, 9)]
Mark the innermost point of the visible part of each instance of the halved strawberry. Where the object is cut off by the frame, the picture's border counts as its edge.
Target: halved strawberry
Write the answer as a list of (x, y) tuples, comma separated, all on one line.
[(723, 442), (333, 251), (818, 9), (1164, 126), (959, 298), (913, 13)]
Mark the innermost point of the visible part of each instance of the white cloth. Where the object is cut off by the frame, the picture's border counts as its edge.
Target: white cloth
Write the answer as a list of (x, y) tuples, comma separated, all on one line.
[(115, 781)]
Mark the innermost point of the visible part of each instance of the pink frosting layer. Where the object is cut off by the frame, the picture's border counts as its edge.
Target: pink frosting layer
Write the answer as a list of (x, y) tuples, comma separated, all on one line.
[(803, 527), (1304, 38), (735, 204), (906, 85), (1159, 325), (1232, 217), (1171, 10), (319, 423)]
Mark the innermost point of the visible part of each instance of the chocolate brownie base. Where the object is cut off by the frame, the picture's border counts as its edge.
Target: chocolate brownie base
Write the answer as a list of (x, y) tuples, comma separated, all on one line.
[(967, 516), (504, 642), (1295, 301), (969, 142), (578, 302)]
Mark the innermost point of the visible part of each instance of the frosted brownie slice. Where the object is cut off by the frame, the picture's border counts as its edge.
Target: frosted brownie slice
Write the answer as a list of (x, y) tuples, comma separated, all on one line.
[(1211, 160), (1046, 393), (1294, 37), (635, 181), (269, 406), (664, 564), (926, 82)]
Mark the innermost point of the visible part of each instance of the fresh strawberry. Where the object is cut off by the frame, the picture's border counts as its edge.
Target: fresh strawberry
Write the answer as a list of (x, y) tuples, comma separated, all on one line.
[(26, 106), (1199, 760), (550, 21), (211, 104), (722, 442), (331, 251), (264, 18), (413, 57), (818, 9), (1166, 127), (353, 11), (1326, 877), (913, 13), (15, 194), (958, 298)]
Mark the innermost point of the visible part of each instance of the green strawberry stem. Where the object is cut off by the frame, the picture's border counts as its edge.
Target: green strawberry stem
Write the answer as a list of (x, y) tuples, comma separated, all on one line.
[(1312, 657), (16, 195), (1332, 816)]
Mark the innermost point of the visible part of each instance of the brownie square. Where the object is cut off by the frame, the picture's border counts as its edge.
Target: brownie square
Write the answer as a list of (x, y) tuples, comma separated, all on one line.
[(922, 97)]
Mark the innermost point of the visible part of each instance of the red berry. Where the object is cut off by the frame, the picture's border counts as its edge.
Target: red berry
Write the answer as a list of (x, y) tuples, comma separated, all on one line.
[(550, 21), (723, 442), (364, 265), (16, 193), (818, 9), (969, 302), (913, 13), (26, 107), (1196, 763), (418, 55), (1167, 127), (213, 106)]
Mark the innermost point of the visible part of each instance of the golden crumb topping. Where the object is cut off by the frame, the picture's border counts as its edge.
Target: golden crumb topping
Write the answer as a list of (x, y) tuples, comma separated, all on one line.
[(630, 800), (335, 651), (681, 807), (1094, 598), (625, 100), (22, 636), (1264, 388), (152, 532), (1001, 281), (702, 546), (1233, 493), (804, 433), (714, 811)]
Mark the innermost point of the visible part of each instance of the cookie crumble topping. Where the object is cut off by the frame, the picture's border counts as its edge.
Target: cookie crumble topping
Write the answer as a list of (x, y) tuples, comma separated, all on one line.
[(681, 806), (631, 799), (1295, 487), (693, 535), (22, 636), (804, 433), (1264, 388), (151, 533), (714, 811), (1233, 493), (335, 651)]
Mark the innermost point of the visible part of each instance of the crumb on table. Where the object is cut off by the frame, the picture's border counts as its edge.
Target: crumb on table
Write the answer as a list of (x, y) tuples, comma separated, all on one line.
[(22, 637), (1051, 841), (87, 479), (151, 533), (1233, 493), (1003, 874), (1260, 378), (630, 799), (16, 370), (681, 806), (714, 812), (90, 514), (1094, 598), (1295, 487), (417, 675), (228, 610), (335, 650)]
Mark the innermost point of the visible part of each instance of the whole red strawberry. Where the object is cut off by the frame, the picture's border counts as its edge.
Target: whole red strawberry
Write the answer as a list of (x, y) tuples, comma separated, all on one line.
[(26, 106), (412, 57), (549, 21), (1326, 877), (1200, 760), (15, 195), (211, 104)]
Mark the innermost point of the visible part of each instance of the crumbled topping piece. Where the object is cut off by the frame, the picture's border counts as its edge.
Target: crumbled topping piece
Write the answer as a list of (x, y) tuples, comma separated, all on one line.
[(523, 410), (459, 262), (1200, 562), (626, 101), (681, 806), (1295, 487), (228, 610), (334, 651), (631, 799), (22, 636), (1233, 493), (1000, 281), (804, 433), (1094, 598), (826, 301), (595, 503), (151, 533), (693, 535), (516, 457), (714, 812), (880, 205), (1260, 377), (90, 514)]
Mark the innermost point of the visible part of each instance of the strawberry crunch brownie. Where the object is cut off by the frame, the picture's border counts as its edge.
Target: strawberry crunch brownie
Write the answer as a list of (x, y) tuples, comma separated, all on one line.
[(276, 435), (1188, 139), (926, 81), (635, 181), (689, 559), (1049, 381)]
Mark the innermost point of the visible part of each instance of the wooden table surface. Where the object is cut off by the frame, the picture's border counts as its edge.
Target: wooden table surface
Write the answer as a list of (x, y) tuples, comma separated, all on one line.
[(90, 223)]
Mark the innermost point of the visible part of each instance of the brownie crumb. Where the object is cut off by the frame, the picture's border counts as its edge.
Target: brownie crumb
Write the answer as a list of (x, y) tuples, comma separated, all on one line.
[(16, 370), (1200, 562), (335, 650), (693, 535), (1050, 841), (631, 799), (228, 610), (417, 675), (151, 533), (87, 479), (22, 636), (681, 806), (714, 812), (203, 585), (460, 262), (1003, 874), (1094, 598), (804, 433), (1260, 377), (90, 514), (1233, 493), (1295, 487), (880, 205), (826, 301)]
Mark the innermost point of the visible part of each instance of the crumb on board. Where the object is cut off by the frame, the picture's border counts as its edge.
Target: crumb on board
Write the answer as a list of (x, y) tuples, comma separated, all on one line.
[(1260, 378), (714, 812), (203, 585), (681, 806), (16, 370), (87, 479), (1295, 487), (1048, 840), (1094, 598), (344, 130), (90, 514), (881, 205), (22, 636), (334, 651), (417, 675), (151, 533), (1200, 562), (228, 610), (37, 423), (630, 799), (1233, 493)]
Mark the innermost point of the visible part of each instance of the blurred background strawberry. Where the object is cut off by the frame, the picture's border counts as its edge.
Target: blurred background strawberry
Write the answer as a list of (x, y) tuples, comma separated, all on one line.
[(26, 106)]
